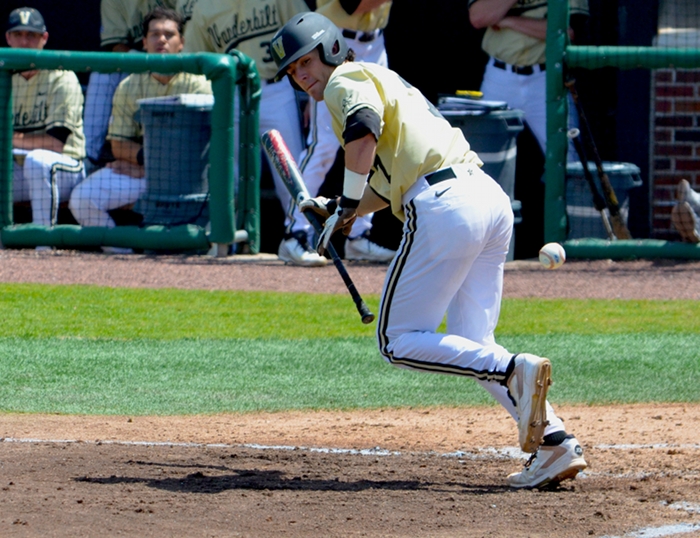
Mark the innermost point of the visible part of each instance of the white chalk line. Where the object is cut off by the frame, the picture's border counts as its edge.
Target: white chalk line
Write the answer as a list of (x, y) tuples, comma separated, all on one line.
[(481, 453)]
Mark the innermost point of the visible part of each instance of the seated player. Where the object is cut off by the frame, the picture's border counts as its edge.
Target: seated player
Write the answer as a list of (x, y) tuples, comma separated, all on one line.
[(47, 140)]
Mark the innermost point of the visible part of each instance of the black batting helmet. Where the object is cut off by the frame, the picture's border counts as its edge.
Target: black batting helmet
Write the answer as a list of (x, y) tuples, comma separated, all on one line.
[(303, 33)]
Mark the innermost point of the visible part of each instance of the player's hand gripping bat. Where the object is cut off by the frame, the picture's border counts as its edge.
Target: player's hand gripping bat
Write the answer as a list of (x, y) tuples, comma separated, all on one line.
[(618, 225), (285, 165)]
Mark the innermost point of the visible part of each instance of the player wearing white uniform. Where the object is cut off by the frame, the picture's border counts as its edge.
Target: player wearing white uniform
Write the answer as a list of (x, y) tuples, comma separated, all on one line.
[(48, 140), (121, 182), (515, 40), (363, 28), (121, 31), (248, 25), (457, 228)]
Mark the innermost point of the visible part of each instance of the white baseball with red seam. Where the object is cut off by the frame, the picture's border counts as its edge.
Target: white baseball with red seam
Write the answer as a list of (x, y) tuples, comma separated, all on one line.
[(552, 255)]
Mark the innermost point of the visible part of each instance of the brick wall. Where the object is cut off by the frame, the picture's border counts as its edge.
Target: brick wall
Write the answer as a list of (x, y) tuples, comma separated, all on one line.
[(676, 142)]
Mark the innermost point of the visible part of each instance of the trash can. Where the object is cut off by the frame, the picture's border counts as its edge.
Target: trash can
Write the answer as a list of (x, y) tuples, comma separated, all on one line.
[(177, 131), (491, 129), (584, 219)]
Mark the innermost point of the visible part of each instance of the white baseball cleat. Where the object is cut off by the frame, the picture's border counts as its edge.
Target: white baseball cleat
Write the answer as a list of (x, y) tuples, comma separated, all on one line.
[(550, 465), (295, 249), (528, 386), (362, 248)]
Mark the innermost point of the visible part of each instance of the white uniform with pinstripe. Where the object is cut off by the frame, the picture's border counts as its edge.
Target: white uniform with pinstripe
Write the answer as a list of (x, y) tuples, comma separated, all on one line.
[(49, 102), (457, 228)]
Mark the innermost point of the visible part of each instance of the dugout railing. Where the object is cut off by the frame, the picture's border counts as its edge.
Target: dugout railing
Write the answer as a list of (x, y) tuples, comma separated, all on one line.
[(232, 219), (561, 55)]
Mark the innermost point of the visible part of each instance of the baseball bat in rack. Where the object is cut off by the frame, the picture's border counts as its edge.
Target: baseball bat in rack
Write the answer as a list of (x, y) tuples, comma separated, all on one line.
[(286, 166), (598, 202), (618, 223)]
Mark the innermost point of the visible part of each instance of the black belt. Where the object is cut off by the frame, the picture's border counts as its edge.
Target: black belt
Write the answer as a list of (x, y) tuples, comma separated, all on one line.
[(362, 37), (440, 175), (520, 70)]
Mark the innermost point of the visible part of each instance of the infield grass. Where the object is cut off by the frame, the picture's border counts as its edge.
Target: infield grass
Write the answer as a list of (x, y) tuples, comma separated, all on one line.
[(98, 350)]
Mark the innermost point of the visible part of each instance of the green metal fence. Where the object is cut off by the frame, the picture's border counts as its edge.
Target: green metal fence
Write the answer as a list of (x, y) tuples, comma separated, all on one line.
[(560, 55), (232, 219)]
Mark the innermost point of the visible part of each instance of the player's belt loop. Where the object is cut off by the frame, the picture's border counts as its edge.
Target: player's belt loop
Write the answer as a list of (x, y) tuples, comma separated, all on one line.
[(362, 37), (440, 175), (520, 69)]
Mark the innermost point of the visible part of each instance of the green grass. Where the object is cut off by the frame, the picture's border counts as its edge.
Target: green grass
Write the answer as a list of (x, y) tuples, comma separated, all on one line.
[(94, 350)]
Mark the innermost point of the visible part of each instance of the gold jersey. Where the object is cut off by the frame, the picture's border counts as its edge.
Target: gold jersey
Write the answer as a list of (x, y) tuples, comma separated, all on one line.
[(415, 139), (376, 19), (122, 124), (185, 8), (246, 25), (122, 21), (50, 99), (516, 48)]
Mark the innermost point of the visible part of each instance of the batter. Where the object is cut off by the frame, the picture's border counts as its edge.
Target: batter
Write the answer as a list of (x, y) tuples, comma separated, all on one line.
[(400, 152)]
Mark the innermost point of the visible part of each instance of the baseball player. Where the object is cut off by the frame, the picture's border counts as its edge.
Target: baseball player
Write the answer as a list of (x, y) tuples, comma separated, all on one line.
[(248, 26), (48, 140), (363, 31), (400, 152), (515, 40), (121, 182), (121, 31)]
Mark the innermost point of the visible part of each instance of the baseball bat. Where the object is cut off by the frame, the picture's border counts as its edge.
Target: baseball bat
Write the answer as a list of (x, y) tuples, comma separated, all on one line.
[(286, 166), (598, 202), (618, 224)]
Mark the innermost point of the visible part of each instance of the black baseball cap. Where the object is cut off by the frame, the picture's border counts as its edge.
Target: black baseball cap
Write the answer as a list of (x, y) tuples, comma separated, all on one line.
[(26, 18)]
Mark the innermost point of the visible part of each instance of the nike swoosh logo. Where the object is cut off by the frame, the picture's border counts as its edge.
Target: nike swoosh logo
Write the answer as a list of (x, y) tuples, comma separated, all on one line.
[(438, 194)]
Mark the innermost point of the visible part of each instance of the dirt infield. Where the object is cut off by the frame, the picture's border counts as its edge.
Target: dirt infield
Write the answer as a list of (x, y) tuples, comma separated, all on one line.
[(398, 473)]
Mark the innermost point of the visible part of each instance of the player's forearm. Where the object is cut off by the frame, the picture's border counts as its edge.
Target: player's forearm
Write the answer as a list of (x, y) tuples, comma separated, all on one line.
[(359, 154), (370, 203), (126, 150), (30, 141), (484, 13), (536, 28)]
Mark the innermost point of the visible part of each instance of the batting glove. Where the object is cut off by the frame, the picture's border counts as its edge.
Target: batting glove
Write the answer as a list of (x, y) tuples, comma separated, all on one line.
[(321, 205), (343, 218)]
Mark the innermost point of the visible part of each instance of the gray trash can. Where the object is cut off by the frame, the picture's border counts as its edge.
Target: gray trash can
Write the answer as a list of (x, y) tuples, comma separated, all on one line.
[(176, 139), (491, 130), (584, 219)]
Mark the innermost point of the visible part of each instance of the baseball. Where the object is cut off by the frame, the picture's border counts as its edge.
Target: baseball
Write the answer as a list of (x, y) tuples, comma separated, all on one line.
[(552, 255)]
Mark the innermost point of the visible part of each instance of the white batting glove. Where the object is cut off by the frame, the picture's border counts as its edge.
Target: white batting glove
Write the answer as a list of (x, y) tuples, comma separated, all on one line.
[(342, 218), (319, 205)]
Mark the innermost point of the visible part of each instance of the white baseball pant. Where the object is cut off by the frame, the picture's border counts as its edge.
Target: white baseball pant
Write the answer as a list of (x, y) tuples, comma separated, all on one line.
[(101, 192), (459, 273), (44, 179)]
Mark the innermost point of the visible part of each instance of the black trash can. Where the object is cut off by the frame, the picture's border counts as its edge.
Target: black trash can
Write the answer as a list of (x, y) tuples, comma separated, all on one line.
[(177, 131), (584, 219)]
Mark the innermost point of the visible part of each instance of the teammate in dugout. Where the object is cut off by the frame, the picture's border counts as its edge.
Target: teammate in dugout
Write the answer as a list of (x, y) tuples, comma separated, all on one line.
[(362, 24), (248, 26), (48, 141), (400, 152)]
